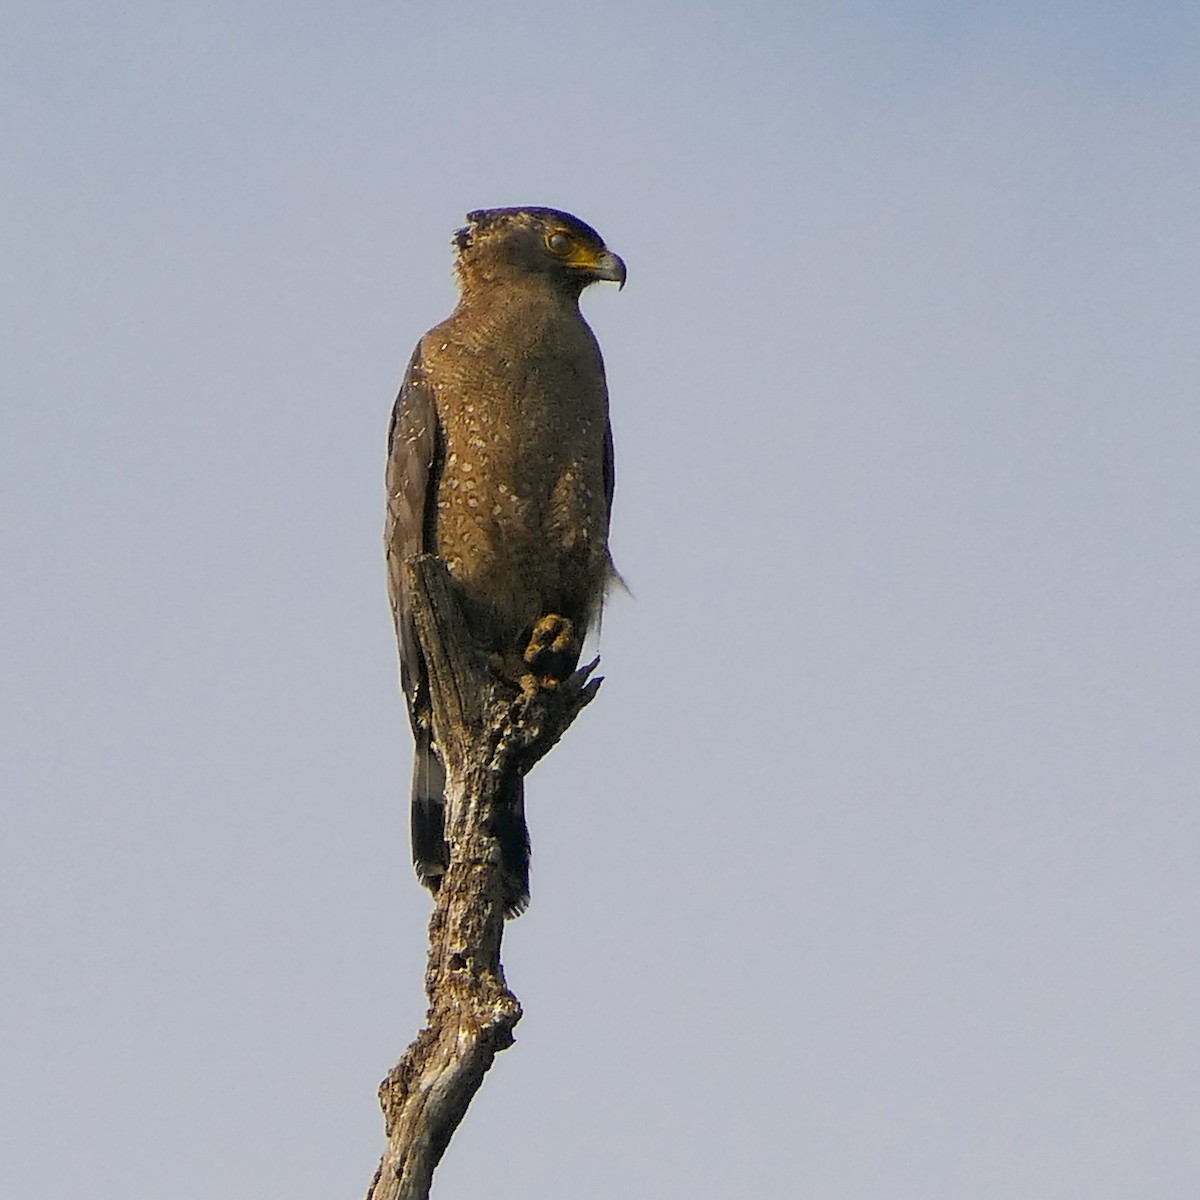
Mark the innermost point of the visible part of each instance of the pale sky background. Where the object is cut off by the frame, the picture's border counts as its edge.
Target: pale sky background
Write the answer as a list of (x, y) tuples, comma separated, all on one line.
[(871, 874)]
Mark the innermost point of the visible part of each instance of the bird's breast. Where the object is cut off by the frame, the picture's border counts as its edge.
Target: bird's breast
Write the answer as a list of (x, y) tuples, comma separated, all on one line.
[(522, 518)]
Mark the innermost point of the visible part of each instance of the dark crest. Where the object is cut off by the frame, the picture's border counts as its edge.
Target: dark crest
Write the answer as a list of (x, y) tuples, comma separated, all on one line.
[(483, 219)]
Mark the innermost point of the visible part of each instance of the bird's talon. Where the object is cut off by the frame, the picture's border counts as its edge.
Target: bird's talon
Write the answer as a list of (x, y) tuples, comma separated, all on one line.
[(553, 634), (578, 678), (552, 649)]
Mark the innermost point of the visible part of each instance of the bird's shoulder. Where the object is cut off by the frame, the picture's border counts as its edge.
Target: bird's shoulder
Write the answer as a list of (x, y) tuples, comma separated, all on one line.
[(414, 412)]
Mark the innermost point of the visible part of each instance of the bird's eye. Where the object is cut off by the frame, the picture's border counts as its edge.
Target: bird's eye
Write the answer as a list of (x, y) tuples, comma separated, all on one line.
[(559, 243)]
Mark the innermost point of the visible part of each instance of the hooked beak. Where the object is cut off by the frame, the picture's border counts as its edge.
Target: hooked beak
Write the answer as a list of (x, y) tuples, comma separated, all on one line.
[(611, 268)]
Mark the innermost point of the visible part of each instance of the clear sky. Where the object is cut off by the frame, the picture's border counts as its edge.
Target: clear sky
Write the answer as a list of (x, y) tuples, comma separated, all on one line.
[(872, 873)]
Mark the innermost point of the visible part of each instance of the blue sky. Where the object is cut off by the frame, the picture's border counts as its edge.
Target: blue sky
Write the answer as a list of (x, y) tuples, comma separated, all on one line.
[(871, 873)]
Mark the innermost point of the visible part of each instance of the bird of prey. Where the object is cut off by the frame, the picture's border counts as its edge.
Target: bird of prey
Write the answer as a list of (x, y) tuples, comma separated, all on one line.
[(500, 462)]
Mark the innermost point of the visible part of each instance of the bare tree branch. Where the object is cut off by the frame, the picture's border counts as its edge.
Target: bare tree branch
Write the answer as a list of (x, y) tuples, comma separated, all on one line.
[(484, 727)]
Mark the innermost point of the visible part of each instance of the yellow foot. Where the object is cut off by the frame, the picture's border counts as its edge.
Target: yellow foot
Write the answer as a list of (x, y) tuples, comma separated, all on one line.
[(553, 650)]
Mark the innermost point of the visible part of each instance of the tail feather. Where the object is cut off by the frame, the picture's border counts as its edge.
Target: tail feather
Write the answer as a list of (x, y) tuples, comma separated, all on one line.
[(431, 854), (510, 830)]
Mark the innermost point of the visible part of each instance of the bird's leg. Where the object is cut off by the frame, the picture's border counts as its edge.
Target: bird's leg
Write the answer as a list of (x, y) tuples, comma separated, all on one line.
[(553, 650)]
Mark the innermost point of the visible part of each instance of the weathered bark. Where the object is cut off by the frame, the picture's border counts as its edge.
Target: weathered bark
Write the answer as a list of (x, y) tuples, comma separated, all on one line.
[(484, 728)]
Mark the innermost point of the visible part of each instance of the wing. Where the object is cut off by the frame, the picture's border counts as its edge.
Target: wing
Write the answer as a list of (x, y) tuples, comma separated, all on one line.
[(610, 471), (413, 469), (413, 466)]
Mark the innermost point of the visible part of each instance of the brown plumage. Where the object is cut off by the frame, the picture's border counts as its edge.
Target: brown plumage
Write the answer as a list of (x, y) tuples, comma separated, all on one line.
[(500, 462)]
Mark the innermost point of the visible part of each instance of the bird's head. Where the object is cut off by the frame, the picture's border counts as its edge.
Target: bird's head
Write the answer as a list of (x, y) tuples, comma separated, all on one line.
[(507, 245)]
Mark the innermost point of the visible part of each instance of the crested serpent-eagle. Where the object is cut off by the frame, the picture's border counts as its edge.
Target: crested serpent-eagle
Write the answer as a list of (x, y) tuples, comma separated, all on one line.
[(500, 462)]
